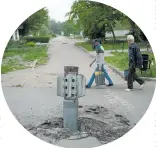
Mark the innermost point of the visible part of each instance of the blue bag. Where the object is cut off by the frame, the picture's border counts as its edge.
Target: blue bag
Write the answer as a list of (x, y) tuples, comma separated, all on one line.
[(126, 74)]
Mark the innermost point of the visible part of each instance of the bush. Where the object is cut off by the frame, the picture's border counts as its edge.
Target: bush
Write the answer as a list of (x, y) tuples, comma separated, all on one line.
[(53, 35), (41, 39), (31, 44)]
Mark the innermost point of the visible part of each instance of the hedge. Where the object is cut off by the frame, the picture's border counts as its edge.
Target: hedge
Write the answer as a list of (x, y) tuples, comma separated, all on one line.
[(41, 39)]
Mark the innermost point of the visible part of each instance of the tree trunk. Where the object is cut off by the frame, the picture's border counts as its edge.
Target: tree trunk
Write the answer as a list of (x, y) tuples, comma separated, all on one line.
[(138, 35), (114, 37), (104, 32), (135, 32)]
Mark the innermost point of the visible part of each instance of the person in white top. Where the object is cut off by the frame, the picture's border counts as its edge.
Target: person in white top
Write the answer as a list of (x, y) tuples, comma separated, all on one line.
[(99, 59)]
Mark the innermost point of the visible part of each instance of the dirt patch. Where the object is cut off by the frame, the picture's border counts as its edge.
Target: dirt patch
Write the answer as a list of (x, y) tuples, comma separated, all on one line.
[(105, 128), (102, 131)]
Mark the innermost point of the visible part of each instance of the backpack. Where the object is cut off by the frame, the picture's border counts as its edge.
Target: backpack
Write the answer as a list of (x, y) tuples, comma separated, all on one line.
[(139, 58)]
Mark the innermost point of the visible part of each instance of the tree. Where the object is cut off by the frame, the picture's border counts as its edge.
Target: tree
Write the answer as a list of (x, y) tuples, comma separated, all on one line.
[(68, 27), (35, 22), (55, 27), (44, 31), (135, 31), (95, 18)]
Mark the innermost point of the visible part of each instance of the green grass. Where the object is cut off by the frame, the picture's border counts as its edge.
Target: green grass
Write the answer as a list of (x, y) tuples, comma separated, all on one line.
[(85, 45), (120, 60), (9, 68), (26, 54), (88, 46), (36, 53)]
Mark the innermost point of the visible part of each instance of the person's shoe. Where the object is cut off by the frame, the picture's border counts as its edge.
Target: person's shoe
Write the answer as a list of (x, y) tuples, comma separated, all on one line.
[(141, 86), (109, 85), (87, 86), (128, 90)]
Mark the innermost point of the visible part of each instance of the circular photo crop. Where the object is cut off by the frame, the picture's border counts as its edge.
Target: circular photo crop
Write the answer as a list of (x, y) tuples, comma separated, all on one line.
[(79, 75)]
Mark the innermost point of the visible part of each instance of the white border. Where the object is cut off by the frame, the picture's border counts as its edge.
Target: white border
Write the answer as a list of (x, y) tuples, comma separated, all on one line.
[(12, 134)]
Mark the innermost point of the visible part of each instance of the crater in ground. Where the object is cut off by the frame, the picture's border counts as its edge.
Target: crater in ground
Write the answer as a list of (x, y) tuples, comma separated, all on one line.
[(94, 121)]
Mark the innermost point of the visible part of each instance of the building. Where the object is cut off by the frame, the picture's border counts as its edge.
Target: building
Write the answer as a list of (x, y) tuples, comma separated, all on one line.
[(16, 35)]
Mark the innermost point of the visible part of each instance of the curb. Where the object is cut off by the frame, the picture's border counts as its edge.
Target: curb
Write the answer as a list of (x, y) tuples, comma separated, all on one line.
[(91, 55), (114, 69)]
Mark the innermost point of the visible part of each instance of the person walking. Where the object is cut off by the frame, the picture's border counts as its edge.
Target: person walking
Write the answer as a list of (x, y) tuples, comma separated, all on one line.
[(99, 59), (135, 61)]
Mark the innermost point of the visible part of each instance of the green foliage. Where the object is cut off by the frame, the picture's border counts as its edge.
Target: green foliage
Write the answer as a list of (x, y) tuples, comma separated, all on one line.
[(35, 22), (122, 26), (55, 27), (120, 60), (15, 44), (31, 44), (41, 39), (85, 45), (9, 68), (107, 46), (32, 54), (69, 27), (27, 55), (96, 19), (44, 31), (53, 35), (136, 31)]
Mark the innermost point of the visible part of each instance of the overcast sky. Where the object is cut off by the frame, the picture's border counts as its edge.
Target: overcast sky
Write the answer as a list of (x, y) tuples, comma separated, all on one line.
[(58, 9)]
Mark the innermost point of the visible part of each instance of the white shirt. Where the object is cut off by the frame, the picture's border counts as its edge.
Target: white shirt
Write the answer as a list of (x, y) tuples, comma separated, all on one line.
[(100, 58)]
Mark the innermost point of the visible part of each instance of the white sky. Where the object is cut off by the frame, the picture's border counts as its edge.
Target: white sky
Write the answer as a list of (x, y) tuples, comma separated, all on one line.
[(58, 9)]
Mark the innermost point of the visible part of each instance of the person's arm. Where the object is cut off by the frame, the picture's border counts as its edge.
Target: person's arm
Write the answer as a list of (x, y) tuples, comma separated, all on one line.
[(139, 58), (92, 62), (131, 58)]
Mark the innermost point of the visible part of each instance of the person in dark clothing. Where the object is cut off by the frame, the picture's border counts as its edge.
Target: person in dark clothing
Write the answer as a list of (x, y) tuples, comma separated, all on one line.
[(135, 61)]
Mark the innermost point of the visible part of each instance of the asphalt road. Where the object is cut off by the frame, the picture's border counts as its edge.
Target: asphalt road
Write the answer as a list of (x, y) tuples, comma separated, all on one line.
[(37, 100)]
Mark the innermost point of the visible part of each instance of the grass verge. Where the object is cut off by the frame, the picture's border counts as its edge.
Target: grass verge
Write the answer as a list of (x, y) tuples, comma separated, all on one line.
[(120, 60), (18, 58), (106, 46)]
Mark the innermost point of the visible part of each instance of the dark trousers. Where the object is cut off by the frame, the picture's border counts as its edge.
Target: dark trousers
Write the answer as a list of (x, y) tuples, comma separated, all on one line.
[(132, 76)]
